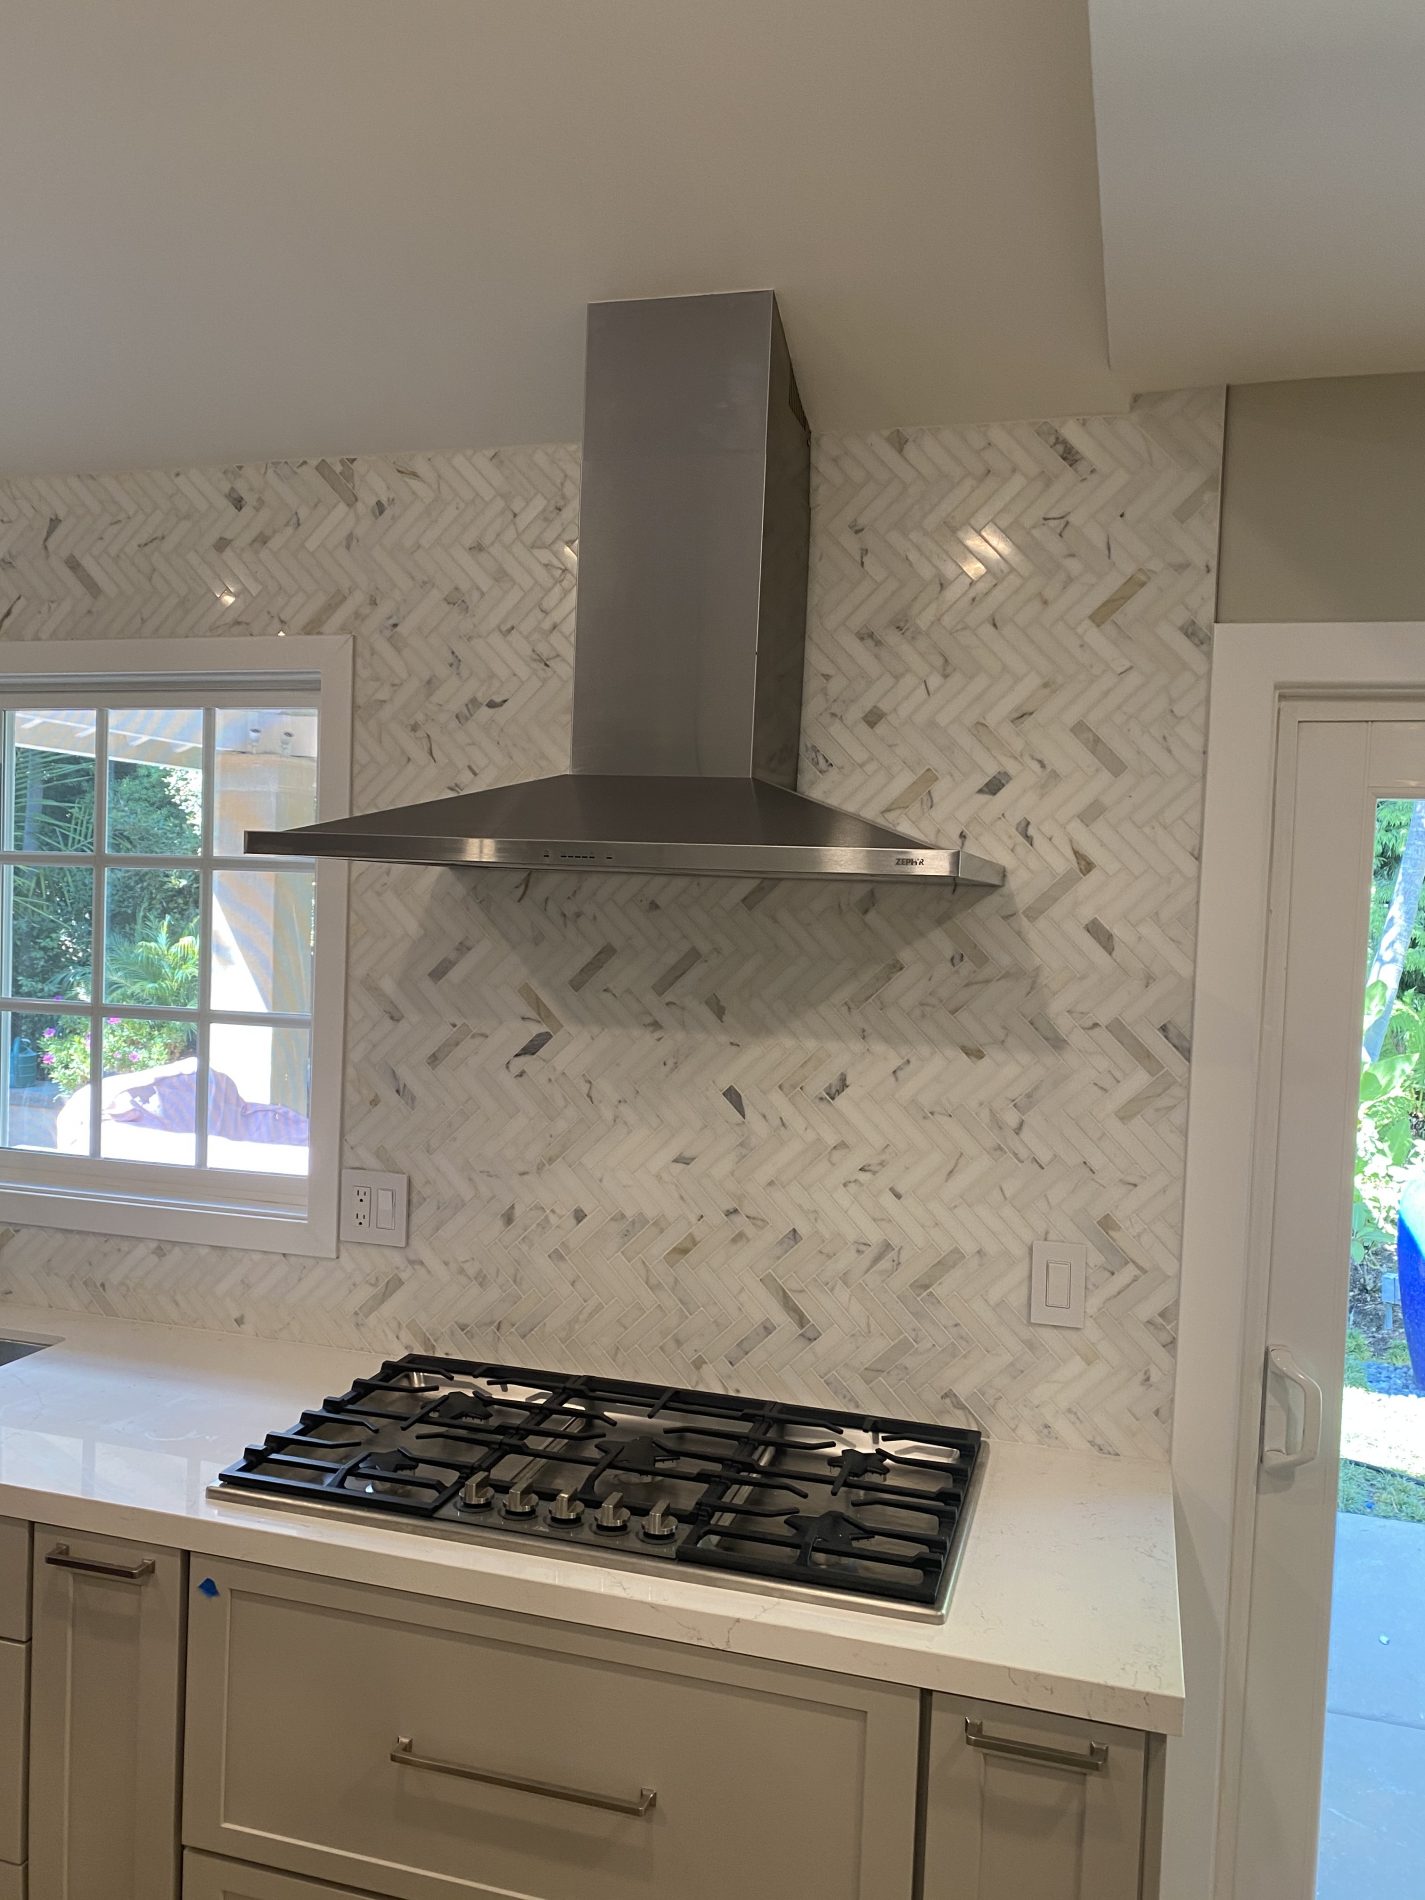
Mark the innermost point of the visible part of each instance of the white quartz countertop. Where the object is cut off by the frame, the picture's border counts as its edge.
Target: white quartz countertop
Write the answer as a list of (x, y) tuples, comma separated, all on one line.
[(1065, 1599)]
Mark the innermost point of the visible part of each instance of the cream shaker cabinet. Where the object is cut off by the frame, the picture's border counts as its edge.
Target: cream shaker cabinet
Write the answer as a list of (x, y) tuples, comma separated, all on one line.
[(106, 1675), (206, 1878), (424, 1750), (14, 1702), (344, 1742), (1021, 1803)]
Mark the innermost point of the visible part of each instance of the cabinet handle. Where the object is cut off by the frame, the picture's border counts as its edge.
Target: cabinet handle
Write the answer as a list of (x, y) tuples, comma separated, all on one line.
[(1088, 1764), (94, 1567), (404, 1756)]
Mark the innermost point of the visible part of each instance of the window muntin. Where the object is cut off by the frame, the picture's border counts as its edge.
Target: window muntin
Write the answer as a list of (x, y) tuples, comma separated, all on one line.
[(162, 978)]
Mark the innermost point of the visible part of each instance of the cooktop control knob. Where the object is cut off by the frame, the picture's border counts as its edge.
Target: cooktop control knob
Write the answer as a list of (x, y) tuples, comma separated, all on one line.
[(660, 1524), (613, 1514), (476, 1494), (519, 1502), (566, 1510)]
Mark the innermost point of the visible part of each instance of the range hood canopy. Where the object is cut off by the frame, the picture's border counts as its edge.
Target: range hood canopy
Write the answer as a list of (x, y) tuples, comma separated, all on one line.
[(691, 619)]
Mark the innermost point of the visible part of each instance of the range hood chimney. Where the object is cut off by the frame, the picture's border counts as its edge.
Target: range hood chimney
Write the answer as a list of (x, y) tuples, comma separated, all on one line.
[(691, 619)]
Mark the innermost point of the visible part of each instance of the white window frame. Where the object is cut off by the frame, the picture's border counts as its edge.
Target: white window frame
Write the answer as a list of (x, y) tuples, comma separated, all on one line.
[(143, 1200)]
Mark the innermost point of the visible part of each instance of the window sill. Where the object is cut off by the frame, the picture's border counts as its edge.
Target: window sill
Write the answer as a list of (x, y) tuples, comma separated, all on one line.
[(89, 1210)]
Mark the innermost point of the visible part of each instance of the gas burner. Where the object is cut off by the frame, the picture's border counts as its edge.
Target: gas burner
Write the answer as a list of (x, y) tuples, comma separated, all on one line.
[(793, 1496), (860, 1465), (461, 1408), (383, 1474), (416, 1381)]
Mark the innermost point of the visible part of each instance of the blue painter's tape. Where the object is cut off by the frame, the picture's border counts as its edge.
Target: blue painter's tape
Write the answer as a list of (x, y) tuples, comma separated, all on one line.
[(207, 1588)]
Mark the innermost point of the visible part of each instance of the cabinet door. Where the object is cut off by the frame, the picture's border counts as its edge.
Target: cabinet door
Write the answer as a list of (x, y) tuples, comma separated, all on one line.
[(206, 1878), (14, 1582), (14, 1732), (1019, 1803), (106, 1670), (430, 1751)]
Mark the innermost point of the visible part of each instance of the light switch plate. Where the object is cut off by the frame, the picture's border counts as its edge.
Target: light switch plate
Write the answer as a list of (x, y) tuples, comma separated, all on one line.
[(373, 1207), (1058, 1281)]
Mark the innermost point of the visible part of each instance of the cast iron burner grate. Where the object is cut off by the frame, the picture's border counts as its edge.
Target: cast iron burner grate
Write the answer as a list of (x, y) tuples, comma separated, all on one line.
[(836, 1501)]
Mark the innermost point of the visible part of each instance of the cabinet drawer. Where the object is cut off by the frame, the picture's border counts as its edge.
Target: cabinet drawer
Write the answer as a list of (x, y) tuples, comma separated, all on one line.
[(14, 1585), (14, 1737), (425, 1750), (1019, 1802), (207, 1879), (12, 1883)]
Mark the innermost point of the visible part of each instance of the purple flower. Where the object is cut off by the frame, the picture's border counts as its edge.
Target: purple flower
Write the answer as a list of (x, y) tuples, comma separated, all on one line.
[(51, 1032), (112, 1021), (47, 1060)]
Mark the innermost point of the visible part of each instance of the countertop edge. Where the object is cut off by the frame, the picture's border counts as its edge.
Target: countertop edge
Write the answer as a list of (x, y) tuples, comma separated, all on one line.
[(284, 1543)]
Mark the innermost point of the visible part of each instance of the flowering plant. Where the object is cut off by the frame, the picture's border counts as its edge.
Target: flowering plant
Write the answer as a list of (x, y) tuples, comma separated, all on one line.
[(128, 1047)]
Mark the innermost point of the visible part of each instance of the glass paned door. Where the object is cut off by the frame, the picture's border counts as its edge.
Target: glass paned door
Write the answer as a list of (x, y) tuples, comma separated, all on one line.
[(1326, 1792), (1372, 1828)]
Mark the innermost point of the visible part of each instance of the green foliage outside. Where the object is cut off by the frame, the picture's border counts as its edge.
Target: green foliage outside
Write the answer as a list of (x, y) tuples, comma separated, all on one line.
[(129, 1047), (1390, 1142), (1366, 1490), (1359, 1352), (1392, 817), (151, 920), (1389, 1147), (159, 969)]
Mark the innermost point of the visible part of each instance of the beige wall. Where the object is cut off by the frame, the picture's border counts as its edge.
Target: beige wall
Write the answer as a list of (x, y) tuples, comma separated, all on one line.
[(1323, 506)]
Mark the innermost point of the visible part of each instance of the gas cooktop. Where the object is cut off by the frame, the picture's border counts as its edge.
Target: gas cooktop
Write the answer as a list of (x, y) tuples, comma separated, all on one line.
[(787, 1495)]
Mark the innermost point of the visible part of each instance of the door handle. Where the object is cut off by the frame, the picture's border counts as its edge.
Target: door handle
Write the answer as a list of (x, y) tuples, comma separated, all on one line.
[(1281, 1361)]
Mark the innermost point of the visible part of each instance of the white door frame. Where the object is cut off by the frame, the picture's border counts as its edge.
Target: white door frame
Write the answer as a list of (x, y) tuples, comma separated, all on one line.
[(1254, 669)]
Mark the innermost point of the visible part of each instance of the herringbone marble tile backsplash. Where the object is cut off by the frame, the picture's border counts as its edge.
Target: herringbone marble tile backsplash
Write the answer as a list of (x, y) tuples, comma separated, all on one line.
[(788, 1139)]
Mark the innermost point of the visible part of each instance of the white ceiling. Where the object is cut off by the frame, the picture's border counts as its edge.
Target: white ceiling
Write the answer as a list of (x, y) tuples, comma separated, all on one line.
[(234, 229), (246, 228), (1262, 167)]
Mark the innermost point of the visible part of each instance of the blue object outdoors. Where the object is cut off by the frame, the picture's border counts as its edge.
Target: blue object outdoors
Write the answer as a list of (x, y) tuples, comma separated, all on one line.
[(24, 1063), (1410, 1259)]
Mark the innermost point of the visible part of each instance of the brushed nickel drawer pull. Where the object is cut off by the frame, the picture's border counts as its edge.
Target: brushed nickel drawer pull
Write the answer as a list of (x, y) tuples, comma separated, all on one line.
[(1088, 1764), (94, 1567), (404, 1756)]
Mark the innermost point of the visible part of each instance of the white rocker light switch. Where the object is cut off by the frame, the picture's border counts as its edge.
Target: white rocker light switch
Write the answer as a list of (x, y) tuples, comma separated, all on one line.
[(1058, 1277)]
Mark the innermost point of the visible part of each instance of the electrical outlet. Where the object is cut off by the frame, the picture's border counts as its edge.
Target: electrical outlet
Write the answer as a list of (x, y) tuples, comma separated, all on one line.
[(374, 1207)]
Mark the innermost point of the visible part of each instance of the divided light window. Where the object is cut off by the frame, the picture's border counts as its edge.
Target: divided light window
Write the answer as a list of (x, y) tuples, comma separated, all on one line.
[(156, 987)]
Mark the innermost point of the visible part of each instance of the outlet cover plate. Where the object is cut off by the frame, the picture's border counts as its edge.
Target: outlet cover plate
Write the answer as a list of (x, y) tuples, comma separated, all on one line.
[(384, 1199), (1058, 1280)]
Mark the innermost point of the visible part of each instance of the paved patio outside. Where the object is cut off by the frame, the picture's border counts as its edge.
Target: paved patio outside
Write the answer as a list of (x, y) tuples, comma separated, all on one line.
[(1373, 1786)]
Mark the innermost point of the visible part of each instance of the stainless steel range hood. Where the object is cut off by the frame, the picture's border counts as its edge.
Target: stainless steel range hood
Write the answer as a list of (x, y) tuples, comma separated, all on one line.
[(691, 619)]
